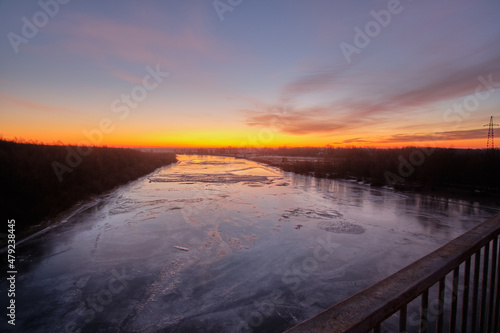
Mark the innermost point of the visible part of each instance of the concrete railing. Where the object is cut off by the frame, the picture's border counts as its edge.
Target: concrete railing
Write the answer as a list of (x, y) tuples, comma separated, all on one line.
[(470, 264)]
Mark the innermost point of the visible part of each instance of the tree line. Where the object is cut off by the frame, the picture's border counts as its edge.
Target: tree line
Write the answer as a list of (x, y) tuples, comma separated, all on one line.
[(475, 170)]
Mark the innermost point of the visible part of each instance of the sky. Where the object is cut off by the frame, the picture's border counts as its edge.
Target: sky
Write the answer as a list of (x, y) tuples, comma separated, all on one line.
[(250, 73)]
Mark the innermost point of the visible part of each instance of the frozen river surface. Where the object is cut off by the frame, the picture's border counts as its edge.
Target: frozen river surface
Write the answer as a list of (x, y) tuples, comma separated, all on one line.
[(265, 250)]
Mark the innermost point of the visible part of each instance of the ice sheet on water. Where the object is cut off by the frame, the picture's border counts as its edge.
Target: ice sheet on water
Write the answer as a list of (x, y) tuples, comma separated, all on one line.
[(341, 227), (208, 178), (127, 205), (200, 162), (313, 214), (330, 220), (236, 259)]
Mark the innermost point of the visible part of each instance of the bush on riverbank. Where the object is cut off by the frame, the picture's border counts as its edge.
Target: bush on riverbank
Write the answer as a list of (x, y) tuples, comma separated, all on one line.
[(31, 190), (469, 170)]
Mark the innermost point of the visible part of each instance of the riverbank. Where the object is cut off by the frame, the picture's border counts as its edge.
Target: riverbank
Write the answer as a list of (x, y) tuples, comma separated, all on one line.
[(40, 182), (371, 172)]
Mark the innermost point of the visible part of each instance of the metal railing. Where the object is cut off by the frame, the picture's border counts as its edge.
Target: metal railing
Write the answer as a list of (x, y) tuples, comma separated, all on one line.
[(471, 304)]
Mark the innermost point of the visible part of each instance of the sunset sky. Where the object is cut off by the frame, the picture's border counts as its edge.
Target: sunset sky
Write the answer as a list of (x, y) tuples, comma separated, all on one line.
[(250, 72)]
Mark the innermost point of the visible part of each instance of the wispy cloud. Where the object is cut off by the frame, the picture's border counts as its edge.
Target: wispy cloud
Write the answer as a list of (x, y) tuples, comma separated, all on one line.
[(127, 77), (355, 140), (350, 141), (110, 42), (376, 98), (442, 84), (295, 121), (25, 103), (438, 136), (311, 82)]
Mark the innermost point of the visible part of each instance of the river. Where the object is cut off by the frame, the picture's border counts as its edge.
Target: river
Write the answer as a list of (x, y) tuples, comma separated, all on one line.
[(217, 244)]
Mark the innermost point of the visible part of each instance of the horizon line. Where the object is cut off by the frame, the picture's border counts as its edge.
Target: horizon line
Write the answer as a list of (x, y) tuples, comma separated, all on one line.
[(61, 144)]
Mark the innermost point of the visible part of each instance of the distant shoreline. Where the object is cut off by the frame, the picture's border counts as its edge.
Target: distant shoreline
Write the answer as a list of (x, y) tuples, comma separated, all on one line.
[(469, 174)]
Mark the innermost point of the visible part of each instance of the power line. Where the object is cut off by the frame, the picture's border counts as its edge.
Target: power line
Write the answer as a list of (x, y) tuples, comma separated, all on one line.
[(490, 144)]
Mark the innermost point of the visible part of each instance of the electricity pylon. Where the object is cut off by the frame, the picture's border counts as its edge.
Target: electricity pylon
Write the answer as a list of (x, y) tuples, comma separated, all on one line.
[(490, 144)]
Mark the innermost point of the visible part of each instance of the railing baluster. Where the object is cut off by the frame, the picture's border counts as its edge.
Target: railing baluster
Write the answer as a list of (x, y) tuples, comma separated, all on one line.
[(465, 302), (440, 319), (475, 292), (424, 305), (497, 297), (454, 299), (402, 318), (492, 284), (484, 288)]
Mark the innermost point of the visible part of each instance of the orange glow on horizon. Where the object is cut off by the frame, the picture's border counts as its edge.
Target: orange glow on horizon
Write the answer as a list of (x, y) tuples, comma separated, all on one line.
[(234, 140)]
